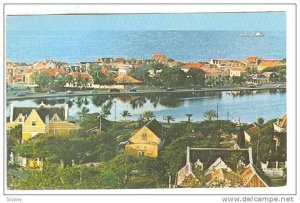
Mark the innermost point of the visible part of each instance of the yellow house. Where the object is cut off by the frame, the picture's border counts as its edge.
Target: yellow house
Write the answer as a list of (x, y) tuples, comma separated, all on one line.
[(268, 63), (147, 140), (40, 120)]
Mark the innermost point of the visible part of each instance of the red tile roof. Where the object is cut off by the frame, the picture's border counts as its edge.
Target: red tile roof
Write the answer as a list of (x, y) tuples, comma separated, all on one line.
[(158, 56), (82, 75), (104, 71), (28, 70), (205, 67), (270, 63), (252, 59), (252, 130), (54, 71), (192, 65)]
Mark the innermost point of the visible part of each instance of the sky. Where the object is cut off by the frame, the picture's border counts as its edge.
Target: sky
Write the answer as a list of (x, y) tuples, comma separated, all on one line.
[(259, 21)]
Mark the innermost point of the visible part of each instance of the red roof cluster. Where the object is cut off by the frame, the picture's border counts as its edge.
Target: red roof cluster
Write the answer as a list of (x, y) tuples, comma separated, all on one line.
[(54, 71), (158, 56), (252, 59), (82, 75)]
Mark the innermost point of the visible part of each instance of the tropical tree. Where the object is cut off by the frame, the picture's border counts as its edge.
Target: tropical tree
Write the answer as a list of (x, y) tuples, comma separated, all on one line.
[(125, 114), (14, 137), (196, 76), (105, 111), (172, 77), (260, 120), (79, 81), (69, 79), (118, 172), (210, 114), (169, 118), (43, 80), (189, 115), (148, 115), (83, 113)]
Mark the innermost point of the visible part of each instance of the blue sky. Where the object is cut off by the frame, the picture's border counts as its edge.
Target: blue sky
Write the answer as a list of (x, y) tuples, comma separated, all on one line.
[(263, 21)]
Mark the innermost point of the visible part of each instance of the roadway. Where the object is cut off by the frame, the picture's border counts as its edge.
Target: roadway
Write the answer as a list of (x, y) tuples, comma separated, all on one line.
[(127, 92)]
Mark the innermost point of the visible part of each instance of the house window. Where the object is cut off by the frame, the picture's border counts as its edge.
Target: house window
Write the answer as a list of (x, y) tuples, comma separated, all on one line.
[(33, 123), (141, 153), (20, 120), (144, 137), (55, 119)]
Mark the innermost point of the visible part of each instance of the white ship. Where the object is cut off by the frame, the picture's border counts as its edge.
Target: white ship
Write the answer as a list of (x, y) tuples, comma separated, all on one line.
[(252, 34)]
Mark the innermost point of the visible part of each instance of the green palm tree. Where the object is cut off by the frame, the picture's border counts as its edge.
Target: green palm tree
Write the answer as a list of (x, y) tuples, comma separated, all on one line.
[(189, 115), (69, 79), (260, 120), (105, 111), (210, 114), (148, 115), (169, 118), (125, 114), (83, 113)]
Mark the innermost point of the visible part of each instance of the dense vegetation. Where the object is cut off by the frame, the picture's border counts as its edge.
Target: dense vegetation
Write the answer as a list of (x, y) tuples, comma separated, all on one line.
[(94, 160)]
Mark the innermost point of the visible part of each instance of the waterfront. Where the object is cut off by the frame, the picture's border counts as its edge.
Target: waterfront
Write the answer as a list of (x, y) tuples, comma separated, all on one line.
[(247, 107)]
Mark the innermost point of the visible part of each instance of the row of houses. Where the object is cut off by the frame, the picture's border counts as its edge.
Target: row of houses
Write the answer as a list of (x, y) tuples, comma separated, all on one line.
[(214, 70), (250, 61), (219, 174)]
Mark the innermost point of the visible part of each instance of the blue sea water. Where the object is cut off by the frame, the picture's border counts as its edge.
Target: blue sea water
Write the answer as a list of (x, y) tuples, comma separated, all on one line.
[(75, 46)]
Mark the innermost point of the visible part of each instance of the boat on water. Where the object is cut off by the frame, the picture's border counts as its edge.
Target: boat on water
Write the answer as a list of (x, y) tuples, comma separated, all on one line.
[(252, 34)]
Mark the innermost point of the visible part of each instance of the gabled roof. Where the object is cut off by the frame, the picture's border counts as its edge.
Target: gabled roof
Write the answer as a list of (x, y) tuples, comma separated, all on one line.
[(218, 164), (43, 112), (222, 175), (253, 129), (250, 172), (155, 127), (39, 65), (210, 157), (283, 121)]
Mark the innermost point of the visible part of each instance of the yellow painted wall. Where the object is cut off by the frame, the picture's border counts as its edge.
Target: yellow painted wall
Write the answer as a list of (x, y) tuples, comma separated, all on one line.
[(151, 137), (149, 146), (62, 128), (261, 68), (150, 150), (28, 130), (11, 125)]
